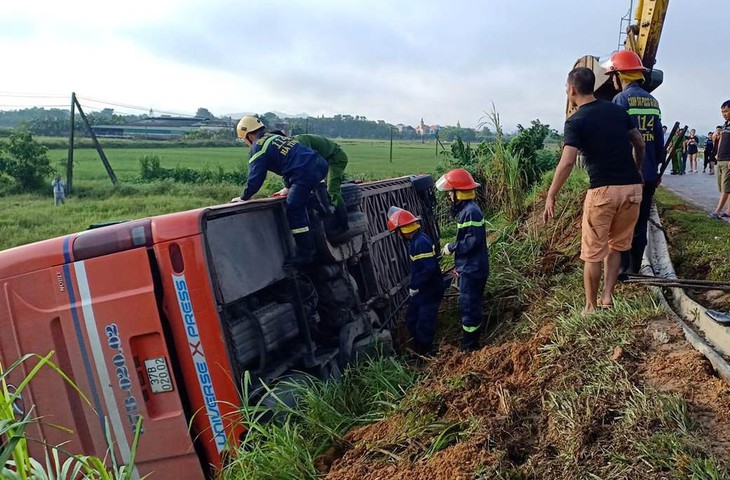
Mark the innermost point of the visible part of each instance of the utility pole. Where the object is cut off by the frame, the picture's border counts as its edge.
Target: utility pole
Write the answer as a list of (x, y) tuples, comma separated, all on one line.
[(102, 155), (70, 161), (391, 144)]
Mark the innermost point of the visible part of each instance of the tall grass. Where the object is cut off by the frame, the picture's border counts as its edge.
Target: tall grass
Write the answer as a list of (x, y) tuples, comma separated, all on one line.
[(506, 182), (15, 460), (285, 438)]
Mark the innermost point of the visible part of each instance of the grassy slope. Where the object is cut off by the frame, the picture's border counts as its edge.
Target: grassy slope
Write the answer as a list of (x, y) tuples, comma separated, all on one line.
[(553, 394), (32, 217), (700, 246)]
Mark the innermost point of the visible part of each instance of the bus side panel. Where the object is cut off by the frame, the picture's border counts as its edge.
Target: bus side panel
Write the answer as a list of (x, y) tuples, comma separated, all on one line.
[(125, 335), (190, 308), (37, 316), (100, 317)]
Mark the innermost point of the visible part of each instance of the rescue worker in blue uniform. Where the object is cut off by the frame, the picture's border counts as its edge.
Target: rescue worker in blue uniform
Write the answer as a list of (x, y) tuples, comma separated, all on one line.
[(628, 74), (427, 285), (470, 250), (301, 168)]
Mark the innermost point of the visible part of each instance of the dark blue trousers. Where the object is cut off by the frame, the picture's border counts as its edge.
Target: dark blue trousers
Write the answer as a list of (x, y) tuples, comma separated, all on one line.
[(421, 317), (631, 260), (471, 292), (301, 188)]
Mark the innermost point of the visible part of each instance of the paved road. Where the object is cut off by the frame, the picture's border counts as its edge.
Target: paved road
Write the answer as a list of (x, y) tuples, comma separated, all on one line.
[(698, 188)]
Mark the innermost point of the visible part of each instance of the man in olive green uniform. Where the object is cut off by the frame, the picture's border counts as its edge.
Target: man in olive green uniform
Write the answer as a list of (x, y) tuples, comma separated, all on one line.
[(676, 148), (337, 161)]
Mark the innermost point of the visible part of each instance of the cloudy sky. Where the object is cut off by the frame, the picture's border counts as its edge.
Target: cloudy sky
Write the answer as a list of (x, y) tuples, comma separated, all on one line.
[(445, 61)]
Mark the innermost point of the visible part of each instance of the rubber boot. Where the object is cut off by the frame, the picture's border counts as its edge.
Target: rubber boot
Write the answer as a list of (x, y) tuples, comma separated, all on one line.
[(305, 250), (470, 340)]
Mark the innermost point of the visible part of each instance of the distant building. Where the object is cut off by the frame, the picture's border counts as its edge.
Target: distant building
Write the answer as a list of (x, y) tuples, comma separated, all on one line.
[(422, 129), (163, 128)]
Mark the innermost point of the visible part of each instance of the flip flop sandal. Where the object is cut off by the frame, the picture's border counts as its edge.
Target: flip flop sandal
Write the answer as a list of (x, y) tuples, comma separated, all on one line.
[(605, 306)]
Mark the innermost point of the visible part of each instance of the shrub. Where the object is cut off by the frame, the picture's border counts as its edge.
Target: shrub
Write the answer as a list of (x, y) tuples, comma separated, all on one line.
[(150, 171), (546, 160), (25, 161), (493, 164), (527, 144)]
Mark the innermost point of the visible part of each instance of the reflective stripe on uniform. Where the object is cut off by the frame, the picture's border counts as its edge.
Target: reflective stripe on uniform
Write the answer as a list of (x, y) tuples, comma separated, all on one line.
[(294, 231), (645, 111), (471, 223), (263, 148), (421, 256), (471, 329)]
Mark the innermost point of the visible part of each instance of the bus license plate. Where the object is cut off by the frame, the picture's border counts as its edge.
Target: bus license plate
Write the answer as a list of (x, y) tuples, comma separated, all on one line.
[(158, 375)]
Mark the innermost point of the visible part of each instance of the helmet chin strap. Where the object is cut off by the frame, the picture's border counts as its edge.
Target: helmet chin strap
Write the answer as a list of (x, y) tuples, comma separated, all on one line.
[(617, 81)]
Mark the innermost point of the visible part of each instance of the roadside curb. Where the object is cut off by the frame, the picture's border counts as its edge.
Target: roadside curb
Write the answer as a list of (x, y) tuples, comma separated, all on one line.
[(713, 339)]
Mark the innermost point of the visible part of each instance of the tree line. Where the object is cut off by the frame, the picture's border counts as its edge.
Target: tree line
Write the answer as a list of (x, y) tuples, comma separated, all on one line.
[(54, 122)]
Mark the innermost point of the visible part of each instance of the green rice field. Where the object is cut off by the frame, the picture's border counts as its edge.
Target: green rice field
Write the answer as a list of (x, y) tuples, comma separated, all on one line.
[(31, 217)]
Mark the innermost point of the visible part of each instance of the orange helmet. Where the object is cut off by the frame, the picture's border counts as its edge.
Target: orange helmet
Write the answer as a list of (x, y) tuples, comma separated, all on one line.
[(399, 218), (456, 179), (624, 61)]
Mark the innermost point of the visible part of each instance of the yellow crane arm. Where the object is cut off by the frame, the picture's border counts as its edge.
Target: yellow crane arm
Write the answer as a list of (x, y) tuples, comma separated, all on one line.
[(643, 36)]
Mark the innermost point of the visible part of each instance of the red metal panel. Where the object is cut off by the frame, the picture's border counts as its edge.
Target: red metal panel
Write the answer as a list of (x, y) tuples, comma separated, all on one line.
[(190, 307)]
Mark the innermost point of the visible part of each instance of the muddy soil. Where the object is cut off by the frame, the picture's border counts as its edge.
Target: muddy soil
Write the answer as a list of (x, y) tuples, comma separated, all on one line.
[(672, 365), (498, 385), (497, 396)]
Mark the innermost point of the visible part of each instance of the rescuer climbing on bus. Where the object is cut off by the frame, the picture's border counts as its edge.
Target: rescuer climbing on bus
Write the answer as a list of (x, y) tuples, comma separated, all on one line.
[(301, 168)]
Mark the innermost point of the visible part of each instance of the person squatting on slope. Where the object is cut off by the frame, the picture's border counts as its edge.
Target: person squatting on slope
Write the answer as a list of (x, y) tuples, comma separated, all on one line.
[(605, 134), (627, 72), (470, 250), (301, 168), (427, 285)]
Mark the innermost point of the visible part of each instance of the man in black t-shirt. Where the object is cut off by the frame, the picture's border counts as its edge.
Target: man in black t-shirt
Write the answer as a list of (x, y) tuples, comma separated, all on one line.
[(605, 134)]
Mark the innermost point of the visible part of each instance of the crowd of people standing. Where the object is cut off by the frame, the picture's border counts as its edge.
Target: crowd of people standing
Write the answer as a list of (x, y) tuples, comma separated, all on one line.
[(689, 149), (716, 155)]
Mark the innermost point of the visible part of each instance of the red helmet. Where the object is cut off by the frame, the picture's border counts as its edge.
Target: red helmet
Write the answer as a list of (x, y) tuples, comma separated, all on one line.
[(624, 61), (456, 179), (398, 218)]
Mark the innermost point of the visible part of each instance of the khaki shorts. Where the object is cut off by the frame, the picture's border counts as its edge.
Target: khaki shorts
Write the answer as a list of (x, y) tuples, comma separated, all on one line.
[(723, 177), (609, 217)]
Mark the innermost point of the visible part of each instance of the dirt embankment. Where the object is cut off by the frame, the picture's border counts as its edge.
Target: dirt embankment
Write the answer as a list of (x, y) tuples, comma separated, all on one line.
[(491, 410), (620, 395), (672, 365), (492, 394)]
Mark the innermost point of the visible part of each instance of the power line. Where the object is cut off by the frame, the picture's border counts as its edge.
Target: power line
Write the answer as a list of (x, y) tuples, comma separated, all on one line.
[(35, 105), (133, 107), (31, 95)]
